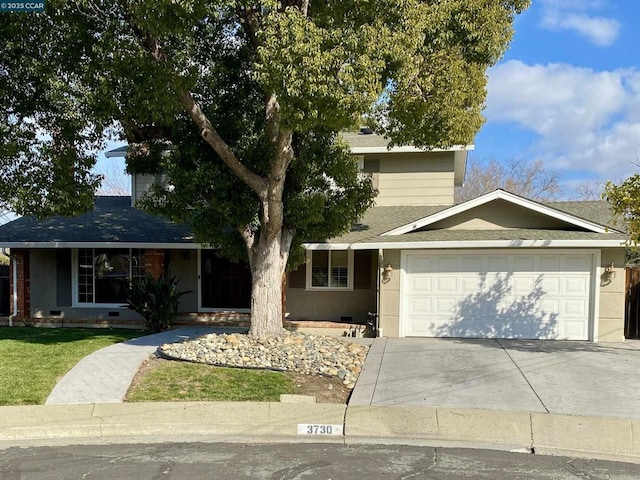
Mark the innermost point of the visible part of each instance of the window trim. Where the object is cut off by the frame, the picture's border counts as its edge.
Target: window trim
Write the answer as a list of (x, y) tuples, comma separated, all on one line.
[(309, 265), (75, 303)]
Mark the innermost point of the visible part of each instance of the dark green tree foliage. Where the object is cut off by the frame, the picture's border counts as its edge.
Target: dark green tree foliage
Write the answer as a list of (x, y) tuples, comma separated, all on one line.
[(239, 103)]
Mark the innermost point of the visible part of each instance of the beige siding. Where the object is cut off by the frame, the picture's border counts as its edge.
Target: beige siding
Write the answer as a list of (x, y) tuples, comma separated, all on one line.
[(612, 297), (498, 215), (304, 304), (415, 179), (389, 319)]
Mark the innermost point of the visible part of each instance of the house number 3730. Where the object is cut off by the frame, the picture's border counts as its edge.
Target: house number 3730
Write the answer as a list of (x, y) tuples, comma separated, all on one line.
[(319, 429)]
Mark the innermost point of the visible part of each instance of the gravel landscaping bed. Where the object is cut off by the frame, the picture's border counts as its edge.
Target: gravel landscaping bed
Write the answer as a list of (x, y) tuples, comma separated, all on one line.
[(293, 352)]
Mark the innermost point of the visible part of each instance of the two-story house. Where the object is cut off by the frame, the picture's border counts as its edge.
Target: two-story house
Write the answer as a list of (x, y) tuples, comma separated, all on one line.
[(496, 266)]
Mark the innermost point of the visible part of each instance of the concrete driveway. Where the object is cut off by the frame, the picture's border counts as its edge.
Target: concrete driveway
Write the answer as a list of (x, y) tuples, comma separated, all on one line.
[(574, 378)]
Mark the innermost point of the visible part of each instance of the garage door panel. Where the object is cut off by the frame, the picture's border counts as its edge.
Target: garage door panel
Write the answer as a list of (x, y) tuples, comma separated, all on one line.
[(445, 305), (504, 295), (523, 263), (574, 308), (445, 264), (524, 284), (550, 285), (549, 263), (576, 286), (421, 284), (421, 305), (446, 285), (572, 330), (578, 263)]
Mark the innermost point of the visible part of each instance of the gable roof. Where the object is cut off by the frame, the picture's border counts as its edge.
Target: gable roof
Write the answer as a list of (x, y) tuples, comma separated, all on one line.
[(499, 194), (372, 231), (112, 221)]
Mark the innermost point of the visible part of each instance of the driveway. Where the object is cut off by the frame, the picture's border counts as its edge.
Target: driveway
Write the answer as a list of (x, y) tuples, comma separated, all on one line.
[(574, 378)]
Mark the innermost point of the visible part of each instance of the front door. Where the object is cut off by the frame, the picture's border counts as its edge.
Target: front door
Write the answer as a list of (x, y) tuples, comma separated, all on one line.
[(224, 284)]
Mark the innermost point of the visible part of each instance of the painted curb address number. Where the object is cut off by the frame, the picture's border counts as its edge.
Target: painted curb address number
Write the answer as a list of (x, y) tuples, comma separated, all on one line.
[(319, 429)]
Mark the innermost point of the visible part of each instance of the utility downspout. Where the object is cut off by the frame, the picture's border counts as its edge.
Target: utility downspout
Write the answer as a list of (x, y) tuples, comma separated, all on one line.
[(15, 292)]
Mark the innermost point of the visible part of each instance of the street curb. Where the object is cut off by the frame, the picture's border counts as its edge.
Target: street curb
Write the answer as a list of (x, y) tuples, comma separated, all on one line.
[(215, 421), (605, 438)]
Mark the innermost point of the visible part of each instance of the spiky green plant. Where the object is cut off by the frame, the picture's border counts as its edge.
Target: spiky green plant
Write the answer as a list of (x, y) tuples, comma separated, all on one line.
[(157, 300)]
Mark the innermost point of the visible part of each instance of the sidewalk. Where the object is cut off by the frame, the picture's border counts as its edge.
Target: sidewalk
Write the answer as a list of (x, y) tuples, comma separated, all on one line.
[(105, 375)]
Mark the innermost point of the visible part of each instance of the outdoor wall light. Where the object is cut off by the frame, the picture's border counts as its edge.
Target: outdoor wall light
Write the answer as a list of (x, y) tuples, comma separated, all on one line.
[(610, 271), (387, 272)]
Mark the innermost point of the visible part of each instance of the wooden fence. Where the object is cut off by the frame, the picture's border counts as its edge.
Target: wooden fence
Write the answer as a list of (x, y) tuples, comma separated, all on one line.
[(632, 304)]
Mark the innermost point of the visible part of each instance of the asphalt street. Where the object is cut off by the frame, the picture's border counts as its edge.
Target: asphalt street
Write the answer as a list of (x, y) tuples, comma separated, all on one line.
[(171, 461)]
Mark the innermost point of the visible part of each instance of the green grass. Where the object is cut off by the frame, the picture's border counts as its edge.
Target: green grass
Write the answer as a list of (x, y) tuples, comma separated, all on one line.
[(32, 360), (182, 381)]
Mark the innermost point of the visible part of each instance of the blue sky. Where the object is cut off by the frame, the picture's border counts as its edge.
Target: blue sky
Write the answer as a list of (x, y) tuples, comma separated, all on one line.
[(567, 92)]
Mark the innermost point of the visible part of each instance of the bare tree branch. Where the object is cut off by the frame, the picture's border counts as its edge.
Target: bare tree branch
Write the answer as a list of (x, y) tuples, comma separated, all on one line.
[(528, 179)]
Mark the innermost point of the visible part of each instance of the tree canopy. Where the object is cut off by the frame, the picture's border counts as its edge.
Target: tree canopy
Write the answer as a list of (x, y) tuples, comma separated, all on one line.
[(624, 199), (240, 103)]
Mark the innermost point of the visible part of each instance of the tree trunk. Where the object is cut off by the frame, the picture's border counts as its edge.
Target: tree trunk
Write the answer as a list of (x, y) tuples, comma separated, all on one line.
[(268, 262)]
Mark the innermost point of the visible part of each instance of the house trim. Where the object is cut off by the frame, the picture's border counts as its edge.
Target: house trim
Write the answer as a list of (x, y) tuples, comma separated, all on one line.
[(492, 244), (499, 195), (408, 149), (327, 246), (142, 245)]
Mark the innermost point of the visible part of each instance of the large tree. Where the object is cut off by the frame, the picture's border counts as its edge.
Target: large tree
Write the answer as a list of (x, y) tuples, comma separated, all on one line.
[(239, 103)]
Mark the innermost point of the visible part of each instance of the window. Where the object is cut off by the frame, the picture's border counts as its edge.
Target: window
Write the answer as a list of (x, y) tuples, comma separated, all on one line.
[(104, 275), (330, 269)]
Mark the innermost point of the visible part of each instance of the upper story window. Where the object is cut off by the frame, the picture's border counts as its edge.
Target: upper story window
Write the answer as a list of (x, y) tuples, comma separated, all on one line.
[(104, 275), (330, 269)]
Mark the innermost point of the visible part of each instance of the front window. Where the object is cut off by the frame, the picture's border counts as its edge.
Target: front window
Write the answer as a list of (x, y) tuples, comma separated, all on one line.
[(329, 269), (104, 275)]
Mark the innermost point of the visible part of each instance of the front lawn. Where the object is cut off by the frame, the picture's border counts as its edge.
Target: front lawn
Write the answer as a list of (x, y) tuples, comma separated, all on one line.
[(32, 360), (182, 381)]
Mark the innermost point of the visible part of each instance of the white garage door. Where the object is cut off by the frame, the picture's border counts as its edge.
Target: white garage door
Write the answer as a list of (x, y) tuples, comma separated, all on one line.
[(497, 295)]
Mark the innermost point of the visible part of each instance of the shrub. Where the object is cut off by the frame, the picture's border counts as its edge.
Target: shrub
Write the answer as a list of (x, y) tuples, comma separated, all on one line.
[(157, 300)]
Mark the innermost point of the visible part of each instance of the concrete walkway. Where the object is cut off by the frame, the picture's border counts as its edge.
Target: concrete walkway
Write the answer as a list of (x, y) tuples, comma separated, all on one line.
[(105, 375), (570, 378)]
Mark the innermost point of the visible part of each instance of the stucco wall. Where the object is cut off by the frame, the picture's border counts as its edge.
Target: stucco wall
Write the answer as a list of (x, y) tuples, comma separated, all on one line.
[(43, 282), (497, 215), (612, 297), (304, 304), (184, 265), (389, 318)]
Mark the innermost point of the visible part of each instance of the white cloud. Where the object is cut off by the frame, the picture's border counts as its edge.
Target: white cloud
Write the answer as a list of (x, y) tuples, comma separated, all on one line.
[(574, 15), (583, 119)]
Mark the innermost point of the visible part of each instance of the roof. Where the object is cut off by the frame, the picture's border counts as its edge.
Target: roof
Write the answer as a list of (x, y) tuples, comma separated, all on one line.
[(115, 221), (595, 218), (112, 220)]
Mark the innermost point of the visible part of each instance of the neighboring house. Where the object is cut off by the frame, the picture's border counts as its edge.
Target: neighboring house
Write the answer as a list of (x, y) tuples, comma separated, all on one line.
[(497, 266)]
